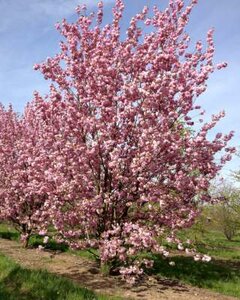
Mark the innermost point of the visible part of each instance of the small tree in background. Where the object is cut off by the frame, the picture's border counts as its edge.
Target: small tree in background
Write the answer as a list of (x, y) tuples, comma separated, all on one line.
[(226, 220), (236, 195), (202, 224), (225, 213)]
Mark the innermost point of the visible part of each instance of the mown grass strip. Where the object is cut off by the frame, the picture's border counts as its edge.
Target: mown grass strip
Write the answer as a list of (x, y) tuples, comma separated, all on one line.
[(17, 283)]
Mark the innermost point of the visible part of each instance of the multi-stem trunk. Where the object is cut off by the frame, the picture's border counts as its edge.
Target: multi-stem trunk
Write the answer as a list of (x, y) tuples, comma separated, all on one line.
[(25, 236), (25, 242)]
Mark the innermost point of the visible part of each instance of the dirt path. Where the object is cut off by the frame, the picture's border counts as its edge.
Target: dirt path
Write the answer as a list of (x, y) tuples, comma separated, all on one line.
[(86, 273)]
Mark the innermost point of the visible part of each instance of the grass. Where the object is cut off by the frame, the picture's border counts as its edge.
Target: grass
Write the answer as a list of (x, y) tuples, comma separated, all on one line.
[(37, 240), (214, 243), (17, 283), (219, 276), (222, 274), (8, 232)]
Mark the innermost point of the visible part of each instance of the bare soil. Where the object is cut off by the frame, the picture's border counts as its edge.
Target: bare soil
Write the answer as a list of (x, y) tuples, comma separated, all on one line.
[(86, 273)]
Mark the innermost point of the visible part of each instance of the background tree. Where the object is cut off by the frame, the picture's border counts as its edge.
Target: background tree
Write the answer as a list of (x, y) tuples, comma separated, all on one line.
[(225, 214), (235, 198), (22, 196)]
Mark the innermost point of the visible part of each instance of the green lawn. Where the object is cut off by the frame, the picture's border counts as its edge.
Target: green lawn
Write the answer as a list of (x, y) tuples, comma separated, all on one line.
[(8, 232), (17, 283), (215, 244), (222, 274), (217, 275)]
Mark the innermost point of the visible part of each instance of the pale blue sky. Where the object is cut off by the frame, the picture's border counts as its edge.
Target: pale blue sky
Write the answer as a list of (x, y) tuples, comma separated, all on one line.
[(27, 36)]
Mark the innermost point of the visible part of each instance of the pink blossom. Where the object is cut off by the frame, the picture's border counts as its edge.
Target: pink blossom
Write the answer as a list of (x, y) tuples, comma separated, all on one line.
[(197, 257), (180, 247), (45, 240), (206, 258)]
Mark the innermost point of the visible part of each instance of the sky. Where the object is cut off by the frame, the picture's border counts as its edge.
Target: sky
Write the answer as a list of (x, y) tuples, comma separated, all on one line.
[(28, 36)]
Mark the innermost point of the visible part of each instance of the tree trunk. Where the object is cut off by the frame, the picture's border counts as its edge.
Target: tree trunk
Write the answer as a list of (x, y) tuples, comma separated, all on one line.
[(26, 241), (26, 233)]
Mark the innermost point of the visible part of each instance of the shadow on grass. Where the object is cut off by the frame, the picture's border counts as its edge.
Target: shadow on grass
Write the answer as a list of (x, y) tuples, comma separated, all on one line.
[(23, 284), (9, 235), (197, 273), (36, 241)]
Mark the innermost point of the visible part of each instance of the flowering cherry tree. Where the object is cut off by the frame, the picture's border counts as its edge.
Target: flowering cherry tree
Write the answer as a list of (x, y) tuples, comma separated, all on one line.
[(122, 163), (21, 196)]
